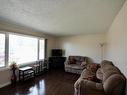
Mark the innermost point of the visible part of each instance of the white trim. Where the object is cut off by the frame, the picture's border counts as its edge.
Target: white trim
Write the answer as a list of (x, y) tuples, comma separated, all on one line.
[(28, 63), (38, 52), (21, 34), (3, 34), (4, 68), (6, 49), (5, 84)]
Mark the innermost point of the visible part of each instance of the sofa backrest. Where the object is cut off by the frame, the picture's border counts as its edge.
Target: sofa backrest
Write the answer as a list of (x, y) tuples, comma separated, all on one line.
[(113, 80), (106, 62), (114, 84), (78, 59)]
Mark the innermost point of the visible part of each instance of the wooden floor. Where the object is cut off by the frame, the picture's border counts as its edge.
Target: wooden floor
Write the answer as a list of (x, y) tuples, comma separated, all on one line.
[(51, 83)]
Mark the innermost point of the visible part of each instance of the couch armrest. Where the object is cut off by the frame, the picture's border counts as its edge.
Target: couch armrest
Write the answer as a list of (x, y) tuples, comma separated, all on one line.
[(86, 87), (77, 86), (91, 88), (66, 62)]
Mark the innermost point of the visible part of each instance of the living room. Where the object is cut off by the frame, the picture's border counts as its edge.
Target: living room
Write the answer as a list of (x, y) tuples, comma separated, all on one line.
[(95, 29)]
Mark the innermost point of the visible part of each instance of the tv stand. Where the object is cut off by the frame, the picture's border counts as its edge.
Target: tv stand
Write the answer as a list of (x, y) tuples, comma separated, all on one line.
[(56, 62)]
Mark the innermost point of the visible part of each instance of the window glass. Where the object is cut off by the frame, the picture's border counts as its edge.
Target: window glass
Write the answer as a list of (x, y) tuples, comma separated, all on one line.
[(22, 49), (41, 49), (2, 50)]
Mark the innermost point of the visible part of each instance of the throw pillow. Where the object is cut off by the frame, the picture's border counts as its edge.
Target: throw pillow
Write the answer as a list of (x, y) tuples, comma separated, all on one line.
[(93, 67), (72, 61), (92, 78)]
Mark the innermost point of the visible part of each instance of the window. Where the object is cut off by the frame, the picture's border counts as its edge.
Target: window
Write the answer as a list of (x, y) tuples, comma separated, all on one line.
[(2, 50), (22, 49), (41, 49)]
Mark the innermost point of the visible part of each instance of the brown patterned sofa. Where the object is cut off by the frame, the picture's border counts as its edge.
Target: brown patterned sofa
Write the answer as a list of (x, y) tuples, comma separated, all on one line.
[(75, 64), (109, 81)]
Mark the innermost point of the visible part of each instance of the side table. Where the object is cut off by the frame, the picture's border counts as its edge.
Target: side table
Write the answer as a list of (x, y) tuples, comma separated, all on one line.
[(40, 66), (26, 72)]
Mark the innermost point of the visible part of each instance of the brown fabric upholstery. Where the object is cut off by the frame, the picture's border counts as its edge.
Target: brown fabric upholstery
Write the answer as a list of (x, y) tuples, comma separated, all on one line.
[(106, 62), (91, 88), (113, 81), (114, 84), (86, 73), (92, 67)]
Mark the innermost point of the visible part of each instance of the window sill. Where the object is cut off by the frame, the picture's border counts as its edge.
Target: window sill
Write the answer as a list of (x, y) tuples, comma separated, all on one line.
[(27, 64), (4, 68), (20, 65)]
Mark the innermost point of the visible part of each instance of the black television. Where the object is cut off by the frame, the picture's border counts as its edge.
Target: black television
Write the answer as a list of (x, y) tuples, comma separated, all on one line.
[(56, 52)]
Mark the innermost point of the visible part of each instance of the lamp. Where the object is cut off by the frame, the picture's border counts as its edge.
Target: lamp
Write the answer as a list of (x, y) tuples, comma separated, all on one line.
[(102, 50)]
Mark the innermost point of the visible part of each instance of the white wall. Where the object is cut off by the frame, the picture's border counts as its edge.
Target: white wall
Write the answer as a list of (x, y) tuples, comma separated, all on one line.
[(5, 76), (84, 45), (117, 40), (51, 44)]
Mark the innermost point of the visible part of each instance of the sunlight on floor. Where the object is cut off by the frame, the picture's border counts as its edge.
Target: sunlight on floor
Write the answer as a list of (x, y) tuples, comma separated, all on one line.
[(38, 89)]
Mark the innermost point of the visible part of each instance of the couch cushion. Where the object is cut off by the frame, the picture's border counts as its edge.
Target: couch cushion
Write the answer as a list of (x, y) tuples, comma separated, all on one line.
[(91, 88), (110, 67), (106, 62), (90, 72), (92, 78), (87, 73), (74, 66), (78, 59), (72, 61), (109, 70), (107, 74)]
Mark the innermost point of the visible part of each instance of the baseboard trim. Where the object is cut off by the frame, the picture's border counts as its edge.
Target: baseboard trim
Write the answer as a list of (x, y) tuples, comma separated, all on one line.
[(5, 84)]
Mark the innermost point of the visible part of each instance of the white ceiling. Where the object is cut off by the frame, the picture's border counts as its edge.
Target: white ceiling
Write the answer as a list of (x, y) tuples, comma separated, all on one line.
[(61, 17)]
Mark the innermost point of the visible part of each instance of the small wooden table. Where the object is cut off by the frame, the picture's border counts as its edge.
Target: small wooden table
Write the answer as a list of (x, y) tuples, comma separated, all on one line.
[(26, 72)]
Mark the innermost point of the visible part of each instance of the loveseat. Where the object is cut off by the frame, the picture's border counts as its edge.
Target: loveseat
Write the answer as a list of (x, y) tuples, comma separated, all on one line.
[(103, 79), (75, 64)]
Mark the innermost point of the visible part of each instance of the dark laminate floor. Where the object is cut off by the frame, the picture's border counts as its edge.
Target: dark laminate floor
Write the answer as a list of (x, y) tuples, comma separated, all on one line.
[(50, 83)]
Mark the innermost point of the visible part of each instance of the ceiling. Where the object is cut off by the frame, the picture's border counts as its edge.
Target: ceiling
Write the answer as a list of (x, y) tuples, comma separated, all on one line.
[(61, 17)]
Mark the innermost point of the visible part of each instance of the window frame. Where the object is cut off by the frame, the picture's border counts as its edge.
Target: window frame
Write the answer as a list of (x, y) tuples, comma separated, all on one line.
[(39, 48), (7, 47), (4, 50)]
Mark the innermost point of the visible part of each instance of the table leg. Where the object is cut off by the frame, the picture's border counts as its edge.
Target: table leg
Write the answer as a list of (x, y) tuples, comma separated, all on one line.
[(23, 75), (19, 75)]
